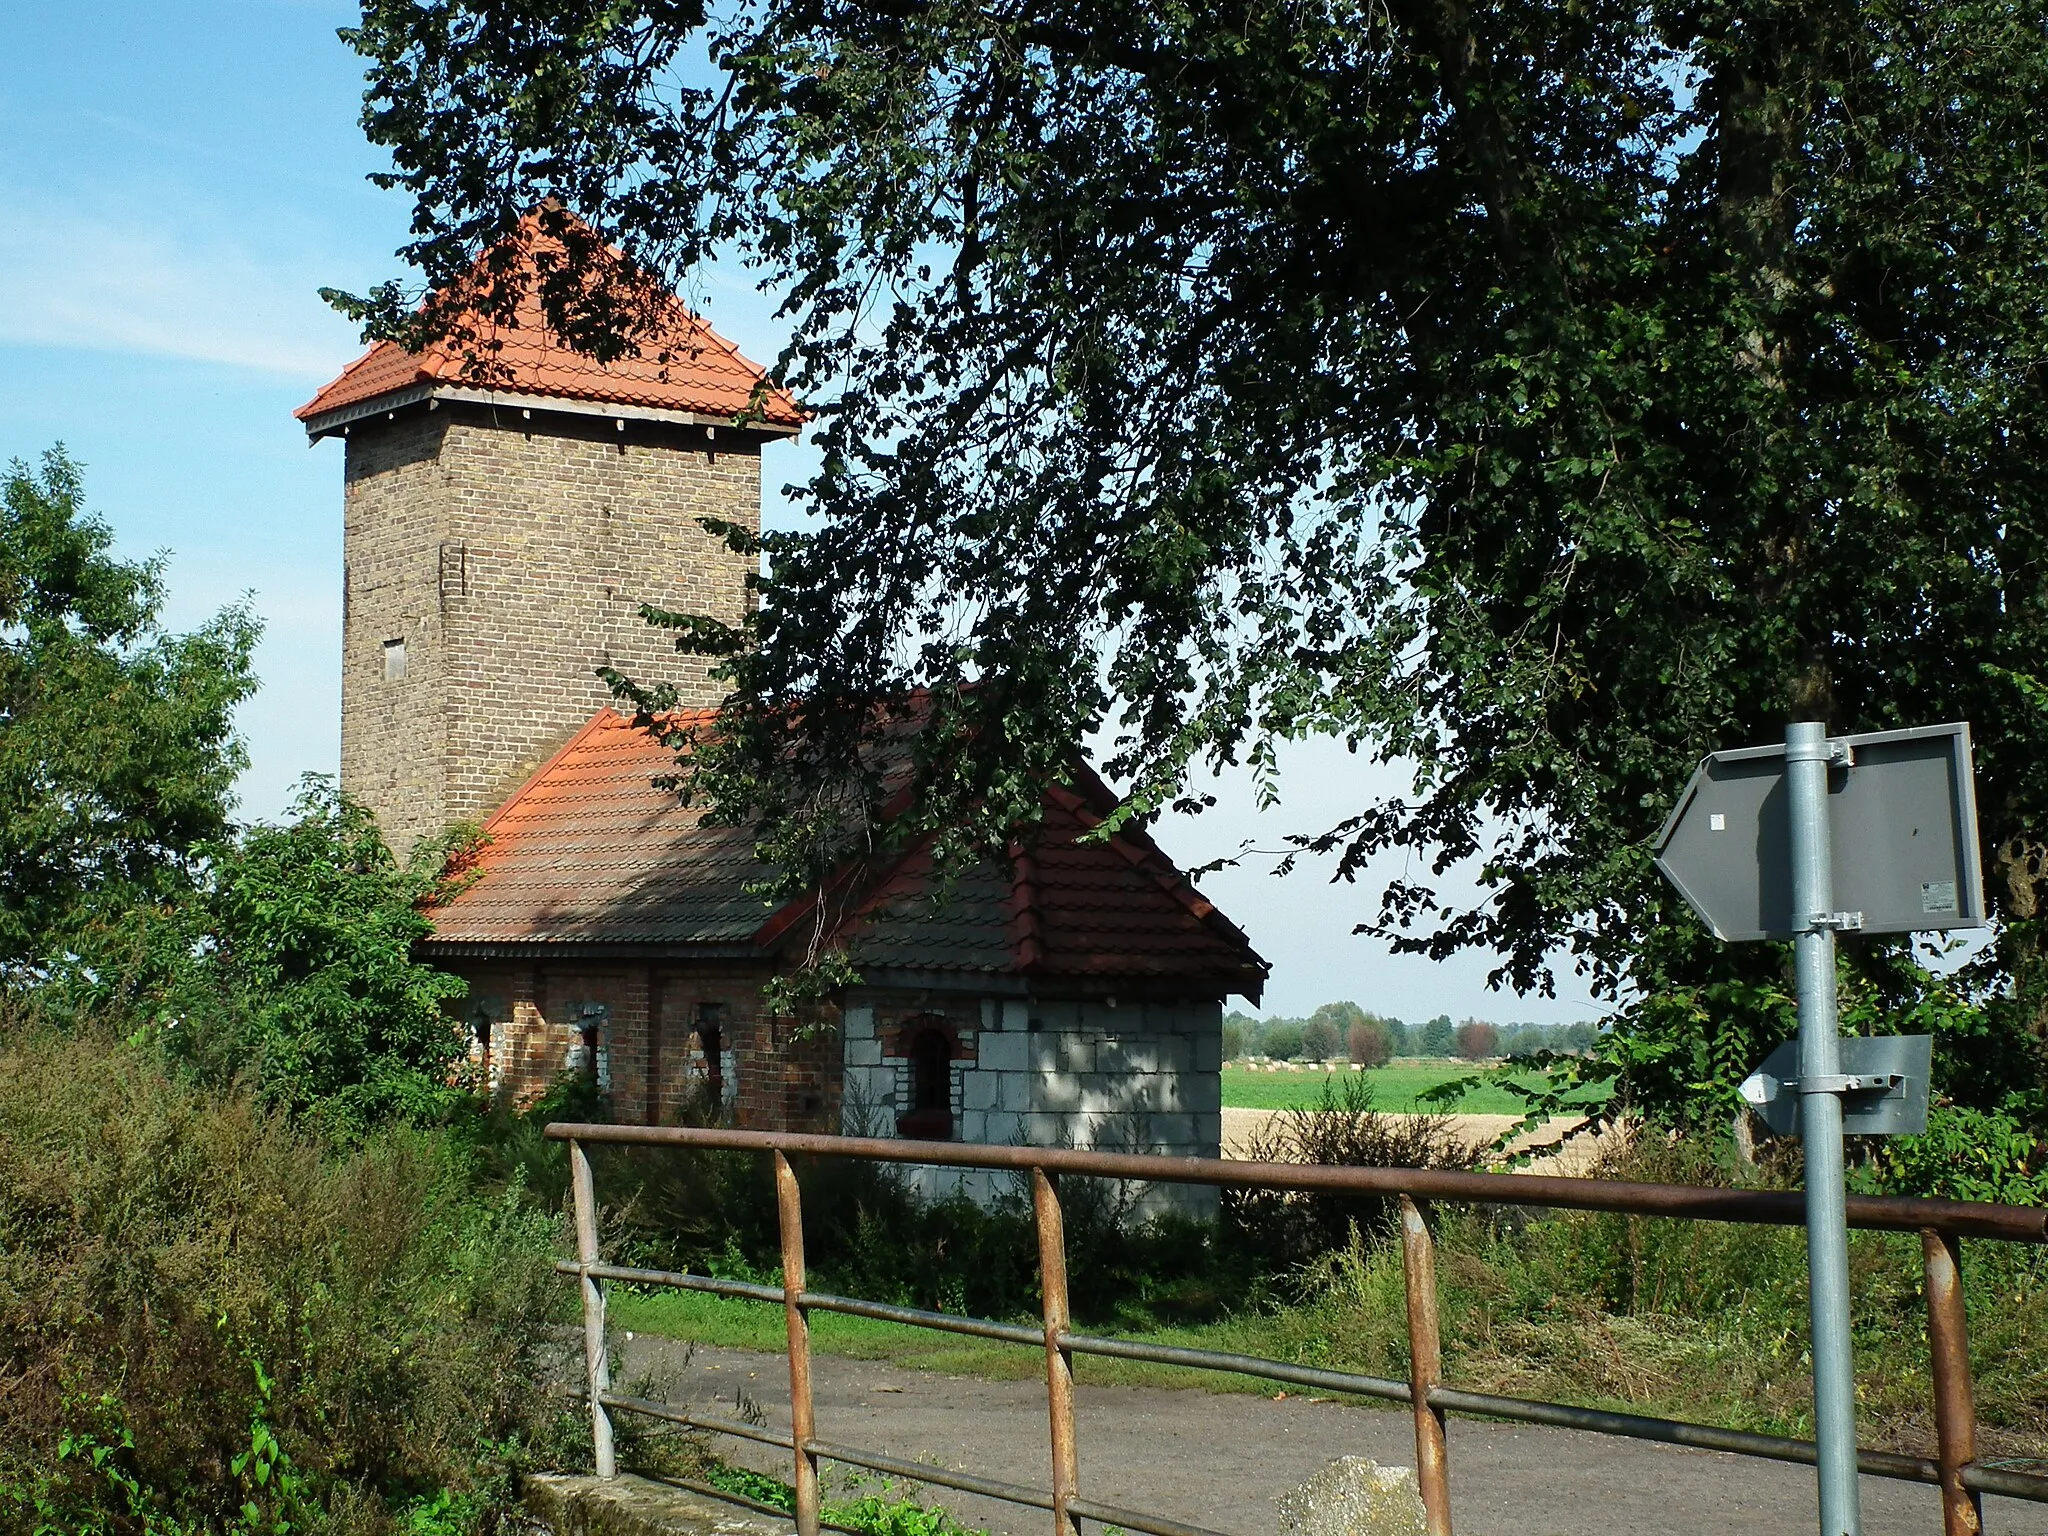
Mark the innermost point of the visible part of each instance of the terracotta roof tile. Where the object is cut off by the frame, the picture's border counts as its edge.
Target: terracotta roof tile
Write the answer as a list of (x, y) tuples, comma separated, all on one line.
[(683, 366), (590, 852)]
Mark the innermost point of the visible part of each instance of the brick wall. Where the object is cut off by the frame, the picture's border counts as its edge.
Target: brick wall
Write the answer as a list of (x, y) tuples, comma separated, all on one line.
[(511, 555), (775, 1076)]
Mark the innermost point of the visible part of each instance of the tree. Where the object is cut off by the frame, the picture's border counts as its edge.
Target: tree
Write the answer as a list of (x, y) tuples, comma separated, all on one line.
[(1478, 1040), (1320, 1040), (1370, 1042), (1281, 1039), (118, 753), (292, 965), (1537, 394), (1233, 1037), (1439, 1036)]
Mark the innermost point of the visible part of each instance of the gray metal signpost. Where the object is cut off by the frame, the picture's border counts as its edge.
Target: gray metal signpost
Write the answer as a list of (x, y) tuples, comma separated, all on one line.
[(1753, 846)]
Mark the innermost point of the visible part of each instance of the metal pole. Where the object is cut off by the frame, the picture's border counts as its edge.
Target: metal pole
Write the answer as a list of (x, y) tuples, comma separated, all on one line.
[(1059, 1360), (1948, 1359), (597, 1369), (1425, 1370), (1807, 755), (803, 1422)]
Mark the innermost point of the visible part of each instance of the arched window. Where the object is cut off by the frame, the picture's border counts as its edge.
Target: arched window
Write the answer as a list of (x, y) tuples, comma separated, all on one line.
[(930, 1116)]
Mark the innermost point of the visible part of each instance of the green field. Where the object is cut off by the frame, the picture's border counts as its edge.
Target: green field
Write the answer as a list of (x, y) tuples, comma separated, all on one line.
[(1394, 1088)]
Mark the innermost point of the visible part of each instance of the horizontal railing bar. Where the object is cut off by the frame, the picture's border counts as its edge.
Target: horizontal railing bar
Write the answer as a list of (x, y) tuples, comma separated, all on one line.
[(706, 1421), (819, 1301), (917, 1317), (939, 1477), (1765, 1207), (1243, 1365), (1136, 1520), (1705, 1437), (2013, 1485), (678, 1279)]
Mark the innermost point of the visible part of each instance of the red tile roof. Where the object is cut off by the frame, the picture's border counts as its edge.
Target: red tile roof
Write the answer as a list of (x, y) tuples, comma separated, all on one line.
[(681, 364), (590, 853)]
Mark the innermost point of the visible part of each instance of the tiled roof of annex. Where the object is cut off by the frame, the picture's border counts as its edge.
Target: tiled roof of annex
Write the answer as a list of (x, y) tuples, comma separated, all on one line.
[(684, 365), (590, 853)]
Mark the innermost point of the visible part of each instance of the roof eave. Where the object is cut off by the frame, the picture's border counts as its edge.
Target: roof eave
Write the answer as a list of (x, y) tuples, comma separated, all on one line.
[(341, 418)]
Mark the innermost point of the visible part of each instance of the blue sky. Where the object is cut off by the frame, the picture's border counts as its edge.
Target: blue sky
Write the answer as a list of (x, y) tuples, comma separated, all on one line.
[(179, 181)]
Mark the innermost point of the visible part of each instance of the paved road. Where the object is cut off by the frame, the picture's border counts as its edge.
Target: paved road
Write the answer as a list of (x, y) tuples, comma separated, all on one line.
[(1219, 1459)]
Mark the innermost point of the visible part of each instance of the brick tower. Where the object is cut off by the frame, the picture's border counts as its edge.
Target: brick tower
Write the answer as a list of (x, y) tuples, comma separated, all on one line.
[(502, 527)]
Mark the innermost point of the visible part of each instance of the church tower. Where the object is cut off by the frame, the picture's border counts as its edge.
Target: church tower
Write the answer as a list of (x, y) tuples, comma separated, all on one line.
[(502, 527)]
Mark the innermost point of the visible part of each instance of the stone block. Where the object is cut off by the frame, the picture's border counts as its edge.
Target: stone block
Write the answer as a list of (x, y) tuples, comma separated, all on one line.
[(1172, 1053), (1171, 1133), (978, 1089), (1044, 1091), (1004, 1052), (864, 1053), (1209, 1053), (1076, 1053), (1001, 1128), (1354, 1496), (859, 1024), (1201, 1092), (973, 1125), (1016, 1015)]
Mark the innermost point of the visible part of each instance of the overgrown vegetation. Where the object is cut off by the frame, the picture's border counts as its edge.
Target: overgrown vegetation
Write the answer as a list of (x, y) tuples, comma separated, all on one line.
[(212, 1319)]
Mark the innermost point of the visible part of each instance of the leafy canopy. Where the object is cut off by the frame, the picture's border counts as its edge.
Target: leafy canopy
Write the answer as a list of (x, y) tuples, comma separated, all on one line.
[(1541, 394), (118, 754)]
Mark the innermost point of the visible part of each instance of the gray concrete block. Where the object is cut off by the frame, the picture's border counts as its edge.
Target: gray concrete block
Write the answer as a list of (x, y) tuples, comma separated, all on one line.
[(1043, 1091), (1076, 1053), (863, 1053), (1004, 1052), (978, 1088), (858, 1023)]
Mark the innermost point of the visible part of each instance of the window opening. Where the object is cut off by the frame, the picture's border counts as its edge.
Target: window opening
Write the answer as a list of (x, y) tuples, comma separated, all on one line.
[(930, 1117), (711, 1040), (394, 660)]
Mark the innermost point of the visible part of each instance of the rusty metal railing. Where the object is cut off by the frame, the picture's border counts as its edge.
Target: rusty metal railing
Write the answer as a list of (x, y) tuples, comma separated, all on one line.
[(1942, 1224)]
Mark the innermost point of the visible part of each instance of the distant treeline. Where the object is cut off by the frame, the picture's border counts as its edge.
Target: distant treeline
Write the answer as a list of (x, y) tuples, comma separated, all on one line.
[(1345, 1030)]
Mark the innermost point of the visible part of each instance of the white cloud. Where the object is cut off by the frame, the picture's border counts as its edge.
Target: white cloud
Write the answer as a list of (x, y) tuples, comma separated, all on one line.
[(134, 280)]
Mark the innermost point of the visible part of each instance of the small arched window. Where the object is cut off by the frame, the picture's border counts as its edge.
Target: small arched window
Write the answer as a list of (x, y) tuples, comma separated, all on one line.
[(930, 1116)]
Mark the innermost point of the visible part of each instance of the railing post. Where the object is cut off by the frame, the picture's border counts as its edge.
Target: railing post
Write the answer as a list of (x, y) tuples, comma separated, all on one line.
[(1948, 1358), (803, 1426), (597, 1370), (1425, 1369), (1059, 1361)]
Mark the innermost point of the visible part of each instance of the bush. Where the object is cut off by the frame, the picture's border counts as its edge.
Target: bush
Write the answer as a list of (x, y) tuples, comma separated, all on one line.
[(1371, 1042), (213, 1321), (1344, 1130)]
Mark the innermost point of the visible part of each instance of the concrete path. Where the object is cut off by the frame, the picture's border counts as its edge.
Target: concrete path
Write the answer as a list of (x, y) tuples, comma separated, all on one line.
[(1219, 1459)]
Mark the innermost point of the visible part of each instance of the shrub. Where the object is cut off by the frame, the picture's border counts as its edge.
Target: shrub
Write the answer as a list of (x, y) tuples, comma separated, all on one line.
[(213, 1318), (1344, 1129)]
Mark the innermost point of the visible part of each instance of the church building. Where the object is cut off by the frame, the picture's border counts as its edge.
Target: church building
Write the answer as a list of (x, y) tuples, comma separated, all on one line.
[(503, 525)]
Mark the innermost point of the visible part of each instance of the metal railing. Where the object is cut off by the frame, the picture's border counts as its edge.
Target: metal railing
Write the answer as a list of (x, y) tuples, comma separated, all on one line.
[(1942, 1224)]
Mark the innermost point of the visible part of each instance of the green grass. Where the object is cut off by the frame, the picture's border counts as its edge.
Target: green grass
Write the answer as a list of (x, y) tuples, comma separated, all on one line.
[(1395, 1088)]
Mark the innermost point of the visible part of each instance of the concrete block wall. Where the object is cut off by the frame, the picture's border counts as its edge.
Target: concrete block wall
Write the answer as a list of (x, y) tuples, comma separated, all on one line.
[(1139, 1077), (511, 555)]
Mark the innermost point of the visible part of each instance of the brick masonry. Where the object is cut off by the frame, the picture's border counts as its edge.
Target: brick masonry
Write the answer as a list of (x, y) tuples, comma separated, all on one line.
[(510, 556)]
